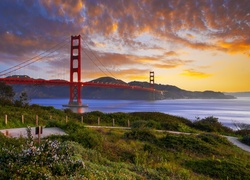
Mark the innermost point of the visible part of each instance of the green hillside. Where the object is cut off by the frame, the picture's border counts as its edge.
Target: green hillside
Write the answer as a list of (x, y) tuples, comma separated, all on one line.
[(148, 148), (139, 153)]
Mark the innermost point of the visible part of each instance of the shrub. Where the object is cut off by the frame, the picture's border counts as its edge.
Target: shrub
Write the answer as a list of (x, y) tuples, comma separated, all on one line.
[(139, 124), (211, 124), (141, 134), (28, 161), (159, 117), (186, 143), (213, 139), (170, 126), (221, 169), (246, 139), (86, 138), (243, 132), (146, 124), (13, 143)]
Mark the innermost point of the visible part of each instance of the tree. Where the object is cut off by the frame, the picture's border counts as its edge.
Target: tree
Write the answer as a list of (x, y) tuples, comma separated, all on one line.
[(6, 94), (23, 100)]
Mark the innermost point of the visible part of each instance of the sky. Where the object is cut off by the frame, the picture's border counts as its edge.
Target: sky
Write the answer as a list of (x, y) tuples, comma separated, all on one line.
[(196, 45)]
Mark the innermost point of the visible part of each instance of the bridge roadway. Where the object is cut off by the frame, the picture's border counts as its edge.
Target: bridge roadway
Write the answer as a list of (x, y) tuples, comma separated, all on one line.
[(67, 83)]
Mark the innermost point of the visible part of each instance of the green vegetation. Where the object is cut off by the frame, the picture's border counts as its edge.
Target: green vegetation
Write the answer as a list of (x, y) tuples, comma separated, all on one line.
[(246, 139), (26, 160), (211, 124), (139, 153)]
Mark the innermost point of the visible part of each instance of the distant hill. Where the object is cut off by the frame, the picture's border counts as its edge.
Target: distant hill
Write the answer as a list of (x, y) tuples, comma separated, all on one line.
[(239, 94), (108, 80), (169, 91), (173, 92)]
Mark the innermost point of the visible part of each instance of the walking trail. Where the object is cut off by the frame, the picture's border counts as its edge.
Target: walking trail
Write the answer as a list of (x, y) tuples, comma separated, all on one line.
[(233, 140), (17, 132)]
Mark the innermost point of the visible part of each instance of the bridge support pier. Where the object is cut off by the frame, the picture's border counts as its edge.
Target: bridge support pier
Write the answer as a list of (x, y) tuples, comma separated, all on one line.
[(75, 69), (152, 83)]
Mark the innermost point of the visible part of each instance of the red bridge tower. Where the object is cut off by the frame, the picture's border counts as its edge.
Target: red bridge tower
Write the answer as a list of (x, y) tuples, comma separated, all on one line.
[(75, 69)]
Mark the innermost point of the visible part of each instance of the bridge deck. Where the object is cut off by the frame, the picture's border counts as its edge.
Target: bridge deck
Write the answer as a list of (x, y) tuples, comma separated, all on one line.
[(67, 83)]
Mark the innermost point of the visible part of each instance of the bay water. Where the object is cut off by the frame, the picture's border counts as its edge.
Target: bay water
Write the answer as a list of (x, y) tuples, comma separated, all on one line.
[(228, 111)]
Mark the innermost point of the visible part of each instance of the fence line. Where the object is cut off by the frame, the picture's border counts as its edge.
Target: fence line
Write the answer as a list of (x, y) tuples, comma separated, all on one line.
[(50, 118)]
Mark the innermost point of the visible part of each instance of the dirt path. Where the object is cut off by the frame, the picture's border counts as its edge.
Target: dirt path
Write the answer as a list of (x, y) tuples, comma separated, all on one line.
[(17, 132), (233, 140), (236, 142)]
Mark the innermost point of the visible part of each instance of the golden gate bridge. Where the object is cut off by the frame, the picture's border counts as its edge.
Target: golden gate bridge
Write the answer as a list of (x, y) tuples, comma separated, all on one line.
[(74, 83)]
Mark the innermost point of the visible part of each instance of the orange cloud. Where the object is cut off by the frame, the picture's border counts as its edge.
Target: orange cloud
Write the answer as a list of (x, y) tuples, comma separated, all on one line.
[(134, 74), (98, 44), (195, 74), (70, 8), (190, 36), (124, 74), (235, 47), (173, 63), (142, 31), (128, 19), (170, 53)]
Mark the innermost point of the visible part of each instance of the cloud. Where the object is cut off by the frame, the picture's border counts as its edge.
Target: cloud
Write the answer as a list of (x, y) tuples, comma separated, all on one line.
[(124, 74), (30, 27), (126, 20), (236, 46), (195, 74), (190, 36), (172, 63), (171, 53)]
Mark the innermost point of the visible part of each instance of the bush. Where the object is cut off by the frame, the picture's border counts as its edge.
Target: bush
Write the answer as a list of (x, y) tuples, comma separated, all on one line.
[(213, 139), (29, 161), (186, 143), (159, 117), (246, 140), (141, 135), (211, 124), (87, 138), (221, 169), (243, 132), (139, 124), (13, 143), (146, 124)]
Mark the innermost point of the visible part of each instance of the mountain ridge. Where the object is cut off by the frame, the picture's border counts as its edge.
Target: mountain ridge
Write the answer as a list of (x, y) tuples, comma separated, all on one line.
[(168, 91)]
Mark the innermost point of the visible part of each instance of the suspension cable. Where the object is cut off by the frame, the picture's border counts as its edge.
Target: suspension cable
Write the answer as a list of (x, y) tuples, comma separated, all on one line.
[(96, 57), (33, 59), (93, 62)]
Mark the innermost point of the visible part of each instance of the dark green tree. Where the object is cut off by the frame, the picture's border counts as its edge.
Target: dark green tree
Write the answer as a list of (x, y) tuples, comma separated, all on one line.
[(23, 100), (6, 94)]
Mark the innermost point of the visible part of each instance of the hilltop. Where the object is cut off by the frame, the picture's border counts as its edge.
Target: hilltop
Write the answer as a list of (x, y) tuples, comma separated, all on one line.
[(169, 91)]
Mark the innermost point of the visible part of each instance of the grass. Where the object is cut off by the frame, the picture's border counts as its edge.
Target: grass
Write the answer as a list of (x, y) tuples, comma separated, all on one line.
[(140, 153)]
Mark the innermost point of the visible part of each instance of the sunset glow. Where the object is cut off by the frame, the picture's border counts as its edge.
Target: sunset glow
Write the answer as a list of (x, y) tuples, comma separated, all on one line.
[(192, 44)]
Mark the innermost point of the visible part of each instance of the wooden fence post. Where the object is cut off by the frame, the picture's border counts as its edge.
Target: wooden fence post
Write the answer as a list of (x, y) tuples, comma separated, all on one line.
[(128, 123), (81, 119), (22, 119), (98, 121), (39, 132), (37, 120), (113, 122), (6, 119), (50, 117), (66, 119)]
